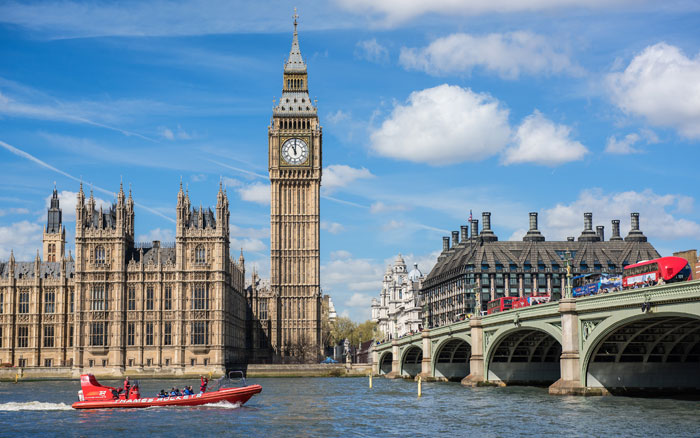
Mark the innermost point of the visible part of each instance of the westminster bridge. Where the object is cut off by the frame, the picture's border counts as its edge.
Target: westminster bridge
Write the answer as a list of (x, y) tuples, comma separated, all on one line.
[(622, 342)]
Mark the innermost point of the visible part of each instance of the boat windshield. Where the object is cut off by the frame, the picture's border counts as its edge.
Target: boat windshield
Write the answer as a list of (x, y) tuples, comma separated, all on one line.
[(231, 380)]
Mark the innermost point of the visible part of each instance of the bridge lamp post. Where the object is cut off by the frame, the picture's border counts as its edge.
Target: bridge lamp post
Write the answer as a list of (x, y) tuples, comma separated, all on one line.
[(569, 261)]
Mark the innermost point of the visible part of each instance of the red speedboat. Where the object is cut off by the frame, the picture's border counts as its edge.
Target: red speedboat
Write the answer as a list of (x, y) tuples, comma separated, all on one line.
[(96, 396)]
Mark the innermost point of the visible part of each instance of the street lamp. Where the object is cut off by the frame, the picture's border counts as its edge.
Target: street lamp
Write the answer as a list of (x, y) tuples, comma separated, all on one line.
[(569, 261)]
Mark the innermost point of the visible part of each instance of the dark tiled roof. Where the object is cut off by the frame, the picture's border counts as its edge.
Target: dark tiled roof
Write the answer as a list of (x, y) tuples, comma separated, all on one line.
[(46, 269), (477, 253)]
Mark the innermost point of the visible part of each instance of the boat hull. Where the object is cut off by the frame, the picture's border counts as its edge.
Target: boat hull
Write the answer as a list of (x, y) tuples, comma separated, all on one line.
[(231, 395)]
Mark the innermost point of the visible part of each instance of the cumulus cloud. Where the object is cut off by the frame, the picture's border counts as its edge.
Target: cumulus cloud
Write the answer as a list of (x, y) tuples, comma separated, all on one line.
[(539, 140), (345, 272), (661, 85), (24, 238), (248, 245), (177, 134), (658, 214), (337, 117), (443, 125), (372, 51), (508, 55), (623, 146), (358, 300), (163, 235), (339, 175), (256, 192), (332, 227)]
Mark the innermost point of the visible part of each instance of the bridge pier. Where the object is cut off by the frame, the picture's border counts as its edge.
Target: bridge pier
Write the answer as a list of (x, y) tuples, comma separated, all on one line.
[(395, 361), (476, 360), (570, 362), (426, 365)]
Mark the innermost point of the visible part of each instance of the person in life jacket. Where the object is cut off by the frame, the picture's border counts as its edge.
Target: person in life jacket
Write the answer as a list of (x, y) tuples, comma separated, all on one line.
[(203, 385), (126, 387)]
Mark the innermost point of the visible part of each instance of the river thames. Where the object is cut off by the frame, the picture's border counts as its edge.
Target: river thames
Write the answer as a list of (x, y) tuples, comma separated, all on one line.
[(341, 407)]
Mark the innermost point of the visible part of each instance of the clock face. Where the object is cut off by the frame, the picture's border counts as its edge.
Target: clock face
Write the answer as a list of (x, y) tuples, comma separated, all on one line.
[(295, 151)]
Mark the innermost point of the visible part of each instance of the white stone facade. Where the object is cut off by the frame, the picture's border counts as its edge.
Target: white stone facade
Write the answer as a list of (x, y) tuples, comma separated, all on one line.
[(398, 310)]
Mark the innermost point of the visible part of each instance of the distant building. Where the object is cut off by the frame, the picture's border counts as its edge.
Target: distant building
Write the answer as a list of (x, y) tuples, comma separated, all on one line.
[(692, 256), (472, 270), (398, 310)]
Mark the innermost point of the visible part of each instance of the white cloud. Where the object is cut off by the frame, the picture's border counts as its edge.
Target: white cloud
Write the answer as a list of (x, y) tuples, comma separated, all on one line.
[(345, 273), (23, 238), (661, 84), (622, 146), (658, 214), (337, 117), (508, 55), (539, 140), (443, 125), (67, 200), (199, 177), (178, 134), (10, 211), (256, 192), (231, 182), (372, 51), (163, 235), (394, 12), (380, 207), (358, 300), (332, 227), (339, 175), (393, 225)]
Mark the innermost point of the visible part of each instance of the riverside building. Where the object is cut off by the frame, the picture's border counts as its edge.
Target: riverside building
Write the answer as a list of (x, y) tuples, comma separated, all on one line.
[(398, 309), (126, 306), (476, 267)]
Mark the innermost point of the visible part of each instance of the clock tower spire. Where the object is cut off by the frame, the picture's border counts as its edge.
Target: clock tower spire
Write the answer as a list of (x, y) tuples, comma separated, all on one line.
[(294, 155)]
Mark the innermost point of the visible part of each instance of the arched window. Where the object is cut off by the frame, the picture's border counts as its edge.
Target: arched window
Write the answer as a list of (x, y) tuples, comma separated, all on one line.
[(100, 254), (200, 255)]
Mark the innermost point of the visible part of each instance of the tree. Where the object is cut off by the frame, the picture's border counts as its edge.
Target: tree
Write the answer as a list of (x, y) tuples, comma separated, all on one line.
[(365, 332), (343, 328)]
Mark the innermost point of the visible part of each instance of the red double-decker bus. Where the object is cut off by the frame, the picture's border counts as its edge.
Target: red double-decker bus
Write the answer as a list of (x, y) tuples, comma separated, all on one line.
[(500, 305), (651, 272)]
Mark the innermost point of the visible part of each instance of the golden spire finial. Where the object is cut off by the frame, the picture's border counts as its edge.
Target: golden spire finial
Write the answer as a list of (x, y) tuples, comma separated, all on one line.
[(295, 16)]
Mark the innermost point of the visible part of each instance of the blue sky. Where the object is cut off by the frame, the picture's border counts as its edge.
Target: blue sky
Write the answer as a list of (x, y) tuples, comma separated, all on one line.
[(429, 109)]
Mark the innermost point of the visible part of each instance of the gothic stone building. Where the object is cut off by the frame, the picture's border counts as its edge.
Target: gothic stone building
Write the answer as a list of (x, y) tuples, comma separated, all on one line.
[(121, 306), (478, 268)]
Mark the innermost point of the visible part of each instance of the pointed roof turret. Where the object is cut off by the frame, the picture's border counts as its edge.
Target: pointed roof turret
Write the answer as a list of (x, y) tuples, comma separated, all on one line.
[(12, 256), (54, 214), (241, 259), (295, 63)]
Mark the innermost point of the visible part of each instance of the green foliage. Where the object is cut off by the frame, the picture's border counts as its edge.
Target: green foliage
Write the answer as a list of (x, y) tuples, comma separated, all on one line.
[(344, 328)]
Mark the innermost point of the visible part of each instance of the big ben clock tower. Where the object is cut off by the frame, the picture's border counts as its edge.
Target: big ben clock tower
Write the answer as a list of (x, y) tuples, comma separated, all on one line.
[(294, 139)]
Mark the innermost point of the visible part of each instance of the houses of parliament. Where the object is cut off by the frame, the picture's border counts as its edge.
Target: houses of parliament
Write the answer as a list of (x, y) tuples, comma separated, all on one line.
[(119, 306)]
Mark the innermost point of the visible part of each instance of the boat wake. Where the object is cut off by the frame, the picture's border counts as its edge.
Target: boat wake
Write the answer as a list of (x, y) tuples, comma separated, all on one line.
[(34, 406), (222, 405)]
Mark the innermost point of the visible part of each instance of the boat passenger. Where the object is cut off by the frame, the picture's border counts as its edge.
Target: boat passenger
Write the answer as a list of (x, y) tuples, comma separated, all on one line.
[(126, 387), (162, 394), (186, 391), (203, 384), (172, 392)]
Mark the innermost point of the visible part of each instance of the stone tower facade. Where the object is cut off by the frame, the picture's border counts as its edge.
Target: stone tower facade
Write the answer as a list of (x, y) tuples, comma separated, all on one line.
[(294, 138), (54, 240)]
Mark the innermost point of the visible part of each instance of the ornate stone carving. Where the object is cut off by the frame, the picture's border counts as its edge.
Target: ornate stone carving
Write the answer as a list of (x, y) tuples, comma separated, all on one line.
[(588, 326), (487, 338), (556, 325)]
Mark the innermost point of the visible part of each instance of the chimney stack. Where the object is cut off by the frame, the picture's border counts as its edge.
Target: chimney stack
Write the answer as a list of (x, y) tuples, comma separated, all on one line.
[(635, 234), (486, 232), (455, 238), (475, 228), (615, 230), (533, 235), (600, 231), (445, 243), (465, 233), (570, 239), (588, 235)]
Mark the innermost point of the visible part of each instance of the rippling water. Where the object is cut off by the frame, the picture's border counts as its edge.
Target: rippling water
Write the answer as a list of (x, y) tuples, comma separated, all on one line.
[(334, 407)]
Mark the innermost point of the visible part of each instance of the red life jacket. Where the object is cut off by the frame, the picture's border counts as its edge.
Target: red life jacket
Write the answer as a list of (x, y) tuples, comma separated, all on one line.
[(203, 385)]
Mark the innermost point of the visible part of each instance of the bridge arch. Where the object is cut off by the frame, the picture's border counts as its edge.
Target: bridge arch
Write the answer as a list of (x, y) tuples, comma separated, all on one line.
[(527, 354), (451, 359), (411, 361), (641, 352), (385, 363)]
